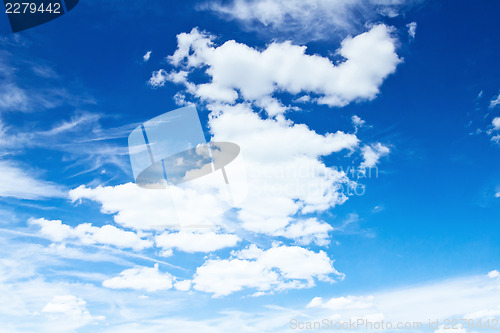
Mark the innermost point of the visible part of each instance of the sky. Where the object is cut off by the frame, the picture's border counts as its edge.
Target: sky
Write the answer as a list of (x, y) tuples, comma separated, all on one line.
[(369, 136)]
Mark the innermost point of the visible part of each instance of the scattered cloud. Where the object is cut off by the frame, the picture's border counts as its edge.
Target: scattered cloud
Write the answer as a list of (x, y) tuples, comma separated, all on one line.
[(496, 123), (278, 268), (368, 59), (494, 274), (378, 209), (343, 303), (146, 56), (357, 121), (145, 209), (495, 101), (412, 29), (285, 174), (191, 241), (158, 78), (87, 234), (372, 154), (287, 179), (307, 231), (70, 308), (141, 278)]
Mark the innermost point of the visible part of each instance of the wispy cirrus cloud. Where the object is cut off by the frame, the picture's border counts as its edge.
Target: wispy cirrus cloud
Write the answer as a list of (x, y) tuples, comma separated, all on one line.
[(307, 20), (22, 183)]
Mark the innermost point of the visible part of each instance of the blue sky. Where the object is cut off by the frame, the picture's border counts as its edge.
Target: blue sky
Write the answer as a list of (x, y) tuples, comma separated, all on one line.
[(407, 89)]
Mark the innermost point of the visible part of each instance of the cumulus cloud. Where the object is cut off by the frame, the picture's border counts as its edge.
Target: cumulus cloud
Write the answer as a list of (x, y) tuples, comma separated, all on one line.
[(343, 303), (87, 234), (278, 268), (191, 241), (287, 178), (357, 121), (307, 20), (158, 78), (146, 209), (18, 183), (146, 56), (412, 29), (368, 59), (70, 308), (307, 231), (496, 123), (285, 175), (494, 274), (495, 101), (372, 154), (141, 278)]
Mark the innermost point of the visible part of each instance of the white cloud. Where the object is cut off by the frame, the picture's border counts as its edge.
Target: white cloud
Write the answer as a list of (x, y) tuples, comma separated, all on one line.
[(412, 29), (343, 303), (285, 176), (357, 121), (141, 278), (307, 231), (55, 230), (496, 123), (494, 274), (158, 78), (146, 56), (485, 313), (69, 307), (12, 98), (183, 285), (285, 173), (18, 183), (190, 241), (275, 269), (495, 101), (460, 297), (369, 58), (307, 20), (146, 209), (87, 234), (372, 154)]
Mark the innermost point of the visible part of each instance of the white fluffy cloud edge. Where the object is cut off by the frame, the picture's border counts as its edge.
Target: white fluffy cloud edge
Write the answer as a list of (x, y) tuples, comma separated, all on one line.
[(369, 58)]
